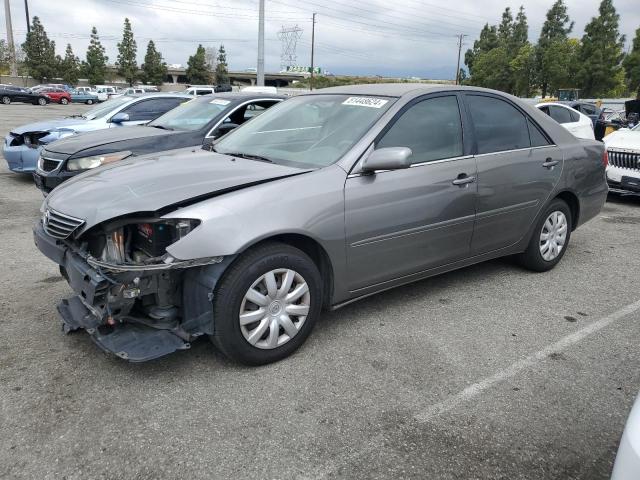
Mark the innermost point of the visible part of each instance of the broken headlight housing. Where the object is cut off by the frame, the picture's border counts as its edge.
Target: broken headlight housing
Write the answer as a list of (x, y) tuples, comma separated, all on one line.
[(140, 244), (87, 163)]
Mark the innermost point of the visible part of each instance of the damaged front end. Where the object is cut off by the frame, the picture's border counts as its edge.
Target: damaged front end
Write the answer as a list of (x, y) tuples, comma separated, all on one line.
[(133, 298)]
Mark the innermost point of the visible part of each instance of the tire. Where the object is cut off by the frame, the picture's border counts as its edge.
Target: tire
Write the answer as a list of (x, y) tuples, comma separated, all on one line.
[(249, 273), (6, 100), (89, 102), (42, 102), (64, 101), (533, 257)]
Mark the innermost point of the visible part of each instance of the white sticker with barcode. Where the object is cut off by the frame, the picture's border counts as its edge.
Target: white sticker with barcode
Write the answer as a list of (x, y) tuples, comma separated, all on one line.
[(366, 102), (220, 101)]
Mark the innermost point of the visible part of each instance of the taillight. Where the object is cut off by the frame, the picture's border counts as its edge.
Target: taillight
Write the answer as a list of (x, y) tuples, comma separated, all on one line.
[(605, 158)]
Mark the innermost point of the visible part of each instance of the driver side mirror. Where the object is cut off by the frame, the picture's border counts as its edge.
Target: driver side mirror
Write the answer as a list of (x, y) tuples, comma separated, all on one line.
[(120, 117), (392, 158), (224, 129)]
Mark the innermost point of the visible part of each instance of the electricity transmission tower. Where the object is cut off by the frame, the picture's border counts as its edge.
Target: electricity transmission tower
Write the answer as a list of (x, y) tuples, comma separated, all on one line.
[(289, 37)]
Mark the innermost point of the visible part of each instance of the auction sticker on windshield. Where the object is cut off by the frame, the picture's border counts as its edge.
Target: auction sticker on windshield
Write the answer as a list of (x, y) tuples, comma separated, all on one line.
[(220, 101), (366, 102)]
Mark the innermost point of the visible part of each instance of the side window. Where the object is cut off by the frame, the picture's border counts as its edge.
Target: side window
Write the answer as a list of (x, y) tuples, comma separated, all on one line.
[(257, 108), (575, 116), (498, 125), (152, 109), (588, 109), (537, 137), (432, 129), (560, 114)]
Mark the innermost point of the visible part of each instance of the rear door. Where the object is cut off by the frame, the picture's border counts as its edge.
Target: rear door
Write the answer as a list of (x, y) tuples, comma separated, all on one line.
[(518, 168), (406, 221)]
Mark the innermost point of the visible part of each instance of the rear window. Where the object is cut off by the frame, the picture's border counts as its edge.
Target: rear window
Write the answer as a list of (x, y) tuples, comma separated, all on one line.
[(561, 114)]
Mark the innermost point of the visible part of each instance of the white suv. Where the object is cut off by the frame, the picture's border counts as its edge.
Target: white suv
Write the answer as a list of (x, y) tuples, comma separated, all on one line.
[(623, 172)]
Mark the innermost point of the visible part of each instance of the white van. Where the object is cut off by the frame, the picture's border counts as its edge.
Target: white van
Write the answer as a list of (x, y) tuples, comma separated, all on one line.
[(197, 90), (105, 92)]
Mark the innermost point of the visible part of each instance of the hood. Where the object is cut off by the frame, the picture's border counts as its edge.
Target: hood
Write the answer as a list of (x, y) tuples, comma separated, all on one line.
[(153, 182), (624, 138), (49, 125), (74, 144)]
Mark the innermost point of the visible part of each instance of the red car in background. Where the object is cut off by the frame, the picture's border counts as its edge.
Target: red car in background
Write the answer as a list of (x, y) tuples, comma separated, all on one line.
[(57, 95)]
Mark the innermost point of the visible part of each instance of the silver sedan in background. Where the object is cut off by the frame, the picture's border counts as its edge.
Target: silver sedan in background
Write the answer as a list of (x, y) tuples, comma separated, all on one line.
[(322, 200)]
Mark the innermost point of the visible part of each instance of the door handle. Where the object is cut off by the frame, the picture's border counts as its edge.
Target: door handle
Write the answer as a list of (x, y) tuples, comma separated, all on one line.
[(549, 163), (463, 180)]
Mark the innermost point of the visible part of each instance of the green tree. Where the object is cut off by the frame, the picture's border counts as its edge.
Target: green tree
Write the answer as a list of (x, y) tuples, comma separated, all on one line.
[(556, 27), (154, 69), (127, 51), (40, 53), (631, 65), (601, 52), (222, 72), (70, 67), (523, 67), (505, 29), (561, 63), (95, 67), (4, 57), (493, 70), (197, 69), (487, 41), (520, 33)]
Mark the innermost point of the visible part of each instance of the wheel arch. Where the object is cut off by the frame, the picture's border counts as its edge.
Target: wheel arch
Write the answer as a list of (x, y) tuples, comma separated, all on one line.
[(313, 249), (571, 199)]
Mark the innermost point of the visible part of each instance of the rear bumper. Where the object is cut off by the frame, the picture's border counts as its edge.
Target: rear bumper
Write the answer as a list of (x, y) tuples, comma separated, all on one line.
[(21, 159)]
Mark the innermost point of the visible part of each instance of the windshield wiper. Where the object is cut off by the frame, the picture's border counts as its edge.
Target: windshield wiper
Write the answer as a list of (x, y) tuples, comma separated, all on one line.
[(248, 156), (161, 127)]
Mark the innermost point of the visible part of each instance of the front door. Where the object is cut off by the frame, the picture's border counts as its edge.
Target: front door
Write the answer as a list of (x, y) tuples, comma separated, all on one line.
[(406, 221), (518, 169)]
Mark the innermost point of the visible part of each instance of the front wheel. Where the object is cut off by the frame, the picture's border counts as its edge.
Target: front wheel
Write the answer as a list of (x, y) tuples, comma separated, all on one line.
[(266, 304), (550, 238), (64, 101), (89, 102), (6, 100), (42, 101)]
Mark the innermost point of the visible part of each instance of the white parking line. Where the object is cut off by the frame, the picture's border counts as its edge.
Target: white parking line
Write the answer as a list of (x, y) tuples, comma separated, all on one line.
[(432, 411)]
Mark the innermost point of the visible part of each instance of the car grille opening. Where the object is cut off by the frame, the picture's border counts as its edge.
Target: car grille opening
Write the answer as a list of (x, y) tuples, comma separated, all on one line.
[(49, 165), (59, 225), (630, 160)]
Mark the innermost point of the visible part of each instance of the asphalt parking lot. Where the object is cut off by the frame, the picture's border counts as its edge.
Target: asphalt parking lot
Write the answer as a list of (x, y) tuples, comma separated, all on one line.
[(490, 372)]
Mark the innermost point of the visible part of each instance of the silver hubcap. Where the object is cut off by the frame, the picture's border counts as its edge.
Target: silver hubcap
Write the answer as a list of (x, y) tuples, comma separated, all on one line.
[(274, 308), (553, 236)]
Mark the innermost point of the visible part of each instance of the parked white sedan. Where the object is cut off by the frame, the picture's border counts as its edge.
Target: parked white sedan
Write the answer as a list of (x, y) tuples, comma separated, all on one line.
[(576, 122), (623, 171), (627, 466)]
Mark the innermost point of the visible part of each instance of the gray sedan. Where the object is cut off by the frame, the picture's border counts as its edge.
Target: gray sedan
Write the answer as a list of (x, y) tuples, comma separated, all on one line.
[(322, 200)]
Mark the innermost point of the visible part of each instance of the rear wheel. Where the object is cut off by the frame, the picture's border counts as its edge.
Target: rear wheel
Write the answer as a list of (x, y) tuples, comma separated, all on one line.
[(89, 102), (42, 101), (64, 101), (6, 100), (550, 239), (266, 304)]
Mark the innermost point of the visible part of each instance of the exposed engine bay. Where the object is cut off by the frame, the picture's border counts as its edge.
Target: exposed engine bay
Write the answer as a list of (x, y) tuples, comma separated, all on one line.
[(129, 288)]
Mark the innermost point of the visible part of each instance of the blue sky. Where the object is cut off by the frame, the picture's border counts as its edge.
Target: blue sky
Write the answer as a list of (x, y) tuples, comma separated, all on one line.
[(401, 38)]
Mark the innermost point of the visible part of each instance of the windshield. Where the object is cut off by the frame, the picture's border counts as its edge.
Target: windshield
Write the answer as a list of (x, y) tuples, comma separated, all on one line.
[(310, 130), (191, 115), (106, 107)]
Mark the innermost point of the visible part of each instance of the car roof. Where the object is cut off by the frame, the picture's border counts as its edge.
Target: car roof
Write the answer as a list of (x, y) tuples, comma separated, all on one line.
[(237, 96), (157, 94), (400, 89)]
